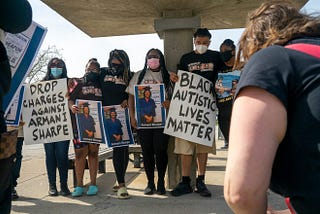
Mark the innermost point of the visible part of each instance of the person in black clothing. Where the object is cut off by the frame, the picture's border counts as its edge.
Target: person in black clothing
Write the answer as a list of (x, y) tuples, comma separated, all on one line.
[(87, 88), (154, 143), (275, 123), (205, 63), (114, 81), (227, 87), (15, 17)]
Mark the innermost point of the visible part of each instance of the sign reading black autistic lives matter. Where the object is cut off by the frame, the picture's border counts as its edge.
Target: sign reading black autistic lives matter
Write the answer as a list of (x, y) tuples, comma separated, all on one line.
[(192, 113), (46, 113)]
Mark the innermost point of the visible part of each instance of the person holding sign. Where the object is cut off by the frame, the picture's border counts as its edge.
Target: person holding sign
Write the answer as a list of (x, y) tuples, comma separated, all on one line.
[(15, 17), (147, 107), (154, 142), (87, 88), (205, 63), (57, 152), (114, 81), (229, 78), (275, 122)]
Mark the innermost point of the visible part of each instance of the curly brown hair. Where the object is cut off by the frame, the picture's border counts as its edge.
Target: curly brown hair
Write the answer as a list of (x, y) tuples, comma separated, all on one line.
[(274, 23)]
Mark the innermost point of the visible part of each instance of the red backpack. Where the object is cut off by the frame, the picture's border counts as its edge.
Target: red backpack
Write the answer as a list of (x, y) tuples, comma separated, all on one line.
[(313, 50)]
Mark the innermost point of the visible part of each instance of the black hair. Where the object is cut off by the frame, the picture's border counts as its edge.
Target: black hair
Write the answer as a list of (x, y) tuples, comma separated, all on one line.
[(49, 76), (122, 56), (229, 43), (163, 69), (201, 32), (93, 61)]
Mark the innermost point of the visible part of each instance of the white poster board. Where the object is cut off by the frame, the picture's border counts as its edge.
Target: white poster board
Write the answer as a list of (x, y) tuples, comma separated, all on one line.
[(192, 112), (46, 113)]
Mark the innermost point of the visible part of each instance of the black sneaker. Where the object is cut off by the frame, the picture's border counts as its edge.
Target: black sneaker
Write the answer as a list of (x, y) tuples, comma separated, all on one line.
[(14, 194), (202, 188), (53, 190), (64, 190), (161, 190), (150, 189), (181, 189)]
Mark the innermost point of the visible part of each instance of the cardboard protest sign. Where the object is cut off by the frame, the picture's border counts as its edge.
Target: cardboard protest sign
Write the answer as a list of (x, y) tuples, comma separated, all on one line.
[(149, 111), (46, 113), (13, 115), (117, 126), (192, 113), (89, 121), (22, 49)]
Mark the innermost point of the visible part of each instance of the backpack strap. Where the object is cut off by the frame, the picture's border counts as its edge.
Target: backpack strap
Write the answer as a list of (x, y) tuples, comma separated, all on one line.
[(313, 50)]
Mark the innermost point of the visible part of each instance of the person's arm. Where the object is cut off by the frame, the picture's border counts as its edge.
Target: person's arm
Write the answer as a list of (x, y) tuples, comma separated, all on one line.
[(132, 111), (258, 125)]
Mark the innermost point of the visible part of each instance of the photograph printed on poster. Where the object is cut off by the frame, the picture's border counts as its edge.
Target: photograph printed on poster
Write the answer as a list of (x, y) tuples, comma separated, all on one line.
[(117, 126), (90, 126), (148, 102)]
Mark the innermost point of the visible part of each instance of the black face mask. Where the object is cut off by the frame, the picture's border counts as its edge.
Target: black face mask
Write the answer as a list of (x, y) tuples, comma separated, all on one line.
[(226, 56), (91, 76), (116, 69)]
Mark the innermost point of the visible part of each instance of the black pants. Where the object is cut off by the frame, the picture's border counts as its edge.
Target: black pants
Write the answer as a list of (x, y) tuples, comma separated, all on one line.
[(6, 166), (224, 119), (154, 145), (120, 162)]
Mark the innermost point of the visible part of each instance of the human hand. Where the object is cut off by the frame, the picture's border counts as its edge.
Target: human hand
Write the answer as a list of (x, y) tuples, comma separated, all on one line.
[(124, 104), (166, 104), (174, 77), (75, 109)]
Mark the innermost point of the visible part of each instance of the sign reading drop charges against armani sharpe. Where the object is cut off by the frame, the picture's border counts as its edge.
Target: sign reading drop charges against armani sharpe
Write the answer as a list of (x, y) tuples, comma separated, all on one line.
[(46, 113), (192, 113)]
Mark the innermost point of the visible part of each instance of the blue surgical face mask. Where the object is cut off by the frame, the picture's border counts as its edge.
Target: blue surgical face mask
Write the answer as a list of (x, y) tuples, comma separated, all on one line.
[(56, 72)]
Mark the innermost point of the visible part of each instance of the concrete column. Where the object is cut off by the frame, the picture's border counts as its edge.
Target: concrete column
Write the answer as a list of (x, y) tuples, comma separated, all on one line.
[(176, 29)]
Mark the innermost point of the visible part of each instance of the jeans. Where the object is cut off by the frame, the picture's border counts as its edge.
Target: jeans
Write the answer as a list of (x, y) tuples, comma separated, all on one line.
[(17, 165), (224, 119), (57, 157)]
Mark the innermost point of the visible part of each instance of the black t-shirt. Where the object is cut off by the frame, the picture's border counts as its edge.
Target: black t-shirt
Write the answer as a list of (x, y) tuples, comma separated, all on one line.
[(206, 65), (294, 78), (85, 90), (113, 88)]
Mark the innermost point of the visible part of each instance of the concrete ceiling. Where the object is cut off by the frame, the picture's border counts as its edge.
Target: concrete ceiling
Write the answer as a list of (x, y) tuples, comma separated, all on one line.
[(101, 18)]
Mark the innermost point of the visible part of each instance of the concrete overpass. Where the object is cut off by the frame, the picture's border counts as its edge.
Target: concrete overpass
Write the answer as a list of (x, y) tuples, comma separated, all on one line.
[(173, 20)]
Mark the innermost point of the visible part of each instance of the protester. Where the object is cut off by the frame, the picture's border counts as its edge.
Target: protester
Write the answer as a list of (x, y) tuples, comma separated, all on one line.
[(22, 13), (88, 88), (205, 63), (274, 133), (225, 86), (57, 152), (115, 80), (154, 142)]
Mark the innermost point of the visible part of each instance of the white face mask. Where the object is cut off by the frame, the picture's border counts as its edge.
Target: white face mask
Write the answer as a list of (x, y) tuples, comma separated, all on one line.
[(201, 48)]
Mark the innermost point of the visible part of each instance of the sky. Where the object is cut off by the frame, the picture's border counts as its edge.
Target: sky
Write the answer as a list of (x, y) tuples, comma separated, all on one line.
[(77, 47)]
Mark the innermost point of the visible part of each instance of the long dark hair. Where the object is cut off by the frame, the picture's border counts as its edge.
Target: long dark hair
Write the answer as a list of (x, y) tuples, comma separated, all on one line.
[(122, 56), (163, 69), (49, 76)]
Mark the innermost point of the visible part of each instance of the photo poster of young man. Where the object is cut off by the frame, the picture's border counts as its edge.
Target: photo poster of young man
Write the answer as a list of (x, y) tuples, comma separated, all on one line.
[(117, 126), (148, 103), (89, 121)]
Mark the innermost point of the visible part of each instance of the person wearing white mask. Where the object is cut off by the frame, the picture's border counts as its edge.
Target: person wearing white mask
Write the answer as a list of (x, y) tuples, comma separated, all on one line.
[(205, 63)]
